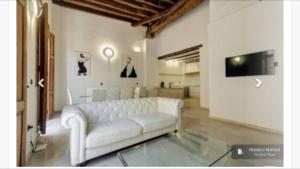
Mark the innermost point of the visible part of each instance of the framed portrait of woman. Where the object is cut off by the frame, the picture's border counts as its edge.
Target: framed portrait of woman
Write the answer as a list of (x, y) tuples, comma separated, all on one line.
[(129, 66), (82, 63)]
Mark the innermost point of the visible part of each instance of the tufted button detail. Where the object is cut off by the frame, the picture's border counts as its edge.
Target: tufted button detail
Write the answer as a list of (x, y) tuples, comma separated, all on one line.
[(117, 109)]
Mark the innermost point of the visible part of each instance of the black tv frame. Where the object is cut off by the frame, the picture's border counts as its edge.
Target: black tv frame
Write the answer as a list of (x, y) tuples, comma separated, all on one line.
[(237, 66)]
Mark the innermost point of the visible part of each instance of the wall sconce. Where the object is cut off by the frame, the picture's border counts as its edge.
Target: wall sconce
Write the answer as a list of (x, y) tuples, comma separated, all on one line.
[(137, 49), (108, 53)]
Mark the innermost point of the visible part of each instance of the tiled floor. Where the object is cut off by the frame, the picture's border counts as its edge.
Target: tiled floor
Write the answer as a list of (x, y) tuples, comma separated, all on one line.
[(194, 118), (57, 151), (197, 119)]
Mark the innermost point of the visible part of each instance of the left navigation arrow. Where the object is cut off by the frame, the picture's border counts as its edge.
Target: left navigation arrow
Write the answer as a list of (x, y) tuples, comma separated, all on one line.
[(41, 83)]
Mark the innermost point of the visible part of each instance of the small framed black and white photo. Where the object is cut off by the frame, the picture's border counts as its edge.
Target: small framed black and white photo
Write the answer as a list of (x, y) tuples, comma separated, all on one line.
[(82, 63), (129, 66)]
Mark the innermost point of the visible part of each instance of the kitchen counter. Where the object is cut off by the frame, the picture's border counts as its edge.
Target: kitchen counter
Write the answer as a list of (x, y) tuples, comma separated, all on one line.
[(174, 92)]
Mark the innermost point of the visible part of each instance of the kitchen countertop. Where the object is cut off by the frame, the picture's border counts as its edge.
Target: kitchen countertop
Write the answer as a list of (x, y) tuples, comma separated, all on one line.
[(174, 92), (171, 87)]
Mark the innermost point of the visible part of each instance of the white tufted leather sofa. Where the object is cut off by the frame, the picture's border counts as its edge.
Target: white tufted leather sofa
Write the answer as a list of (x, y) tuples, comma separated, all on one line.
[(98, 128), (104, 93)]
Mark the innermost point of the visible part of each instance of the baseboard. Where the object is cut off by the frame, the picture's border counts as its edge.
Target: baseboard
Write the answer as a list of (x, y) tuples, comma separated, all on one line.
[(28, 156), (57, 111), (242, 124), (194, 97), (205, 108)]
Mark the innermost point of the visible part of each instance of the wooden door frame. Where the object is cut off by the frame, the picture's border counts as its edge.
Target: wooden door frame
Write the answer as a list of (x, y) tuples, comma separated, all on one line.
[(51, 75), (23, 105), (43, 68)]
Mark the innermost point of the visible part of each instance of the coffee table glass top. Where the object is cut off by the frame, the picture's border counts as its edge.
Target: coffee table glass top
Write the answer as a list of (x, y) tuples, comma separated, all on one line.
[(185, 148), (228, 161)]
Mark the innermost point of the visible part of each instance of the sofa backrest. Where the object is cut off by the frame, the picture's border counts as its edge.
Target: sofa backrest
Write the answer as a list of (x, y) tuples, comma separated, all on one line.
[(117, 109), (103, 94)]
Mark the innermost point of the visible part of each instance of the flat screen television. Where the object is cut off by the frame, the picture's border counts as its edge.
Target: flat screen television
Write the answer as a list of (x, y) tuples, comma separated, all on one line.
[(259, 63)]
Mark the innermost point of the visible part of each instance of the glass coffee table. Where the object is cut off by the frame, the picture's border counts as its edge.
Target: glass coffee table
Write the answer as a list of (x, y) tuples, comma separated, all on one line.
[(184, 148), (187, 148), (228, 161)]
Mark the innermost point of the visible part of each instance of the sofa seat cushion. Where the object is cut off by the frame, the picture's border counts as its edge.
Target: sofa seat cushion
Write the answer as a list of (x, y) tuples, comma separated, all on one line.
[(155, 121), (104, 133)]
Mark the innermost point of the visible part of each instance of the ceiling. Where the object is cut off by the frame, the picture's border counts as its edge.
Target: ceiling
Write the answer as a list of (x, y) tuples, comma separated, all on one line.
[(153, 14)]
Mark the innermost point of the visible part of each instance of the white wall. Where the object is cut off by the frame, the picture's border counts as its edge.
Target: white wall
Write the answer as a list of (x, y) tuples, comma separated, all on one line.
[(193, 81), (192, 67), (80, 31), (248, 27), (292, 77), (220, 9), (188, 31), (151, 67)]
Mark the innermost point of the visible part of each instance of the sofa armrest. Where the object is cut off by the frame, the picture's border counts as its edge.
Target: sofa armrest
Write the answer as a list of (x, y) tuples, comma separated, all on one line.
[(171, 106), (73, 118)]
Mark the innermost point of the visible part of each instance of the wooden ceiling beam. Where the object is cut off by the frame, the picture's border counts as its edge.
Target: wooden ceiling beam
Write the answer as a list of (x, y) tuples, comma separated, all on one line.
[(190, 49), (168, 1), (161, 14), (120, 7), (91, 10), (192, 61), (138, 5), (157, 27), (152, 3), (161, 3), (188, 58), (103, 9), (184, 56), (155, 14)]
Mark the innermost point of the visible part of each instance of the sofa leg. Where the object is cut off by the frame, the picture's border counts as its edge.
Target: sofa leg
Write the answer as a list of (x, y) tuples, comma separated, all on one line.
[(83, 164)]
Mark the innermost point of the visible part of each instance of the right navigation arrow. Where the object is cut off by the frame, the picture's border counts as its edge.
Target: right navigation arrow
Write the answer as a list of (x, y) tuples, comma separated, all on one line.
[(258, 83)]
